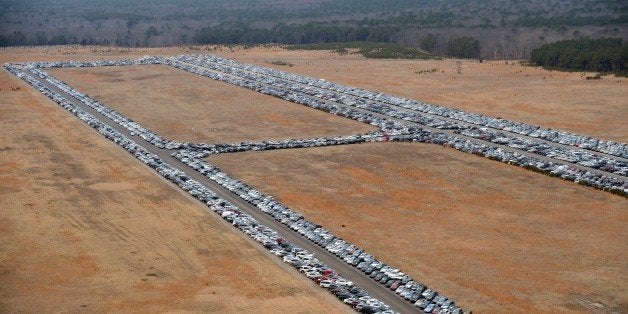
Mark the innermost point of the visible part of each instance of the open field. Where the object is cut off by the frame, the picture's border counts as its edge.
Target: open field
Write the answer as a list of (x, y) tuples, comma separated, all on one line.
[(86, 227), (491, 236), (168, 101), (105, 232), (553, 99), (562, 100)]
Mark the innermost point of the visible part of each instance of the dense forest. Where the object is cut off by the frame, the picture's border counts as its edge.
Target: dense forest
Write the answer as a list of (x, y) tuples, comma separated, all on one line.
[(492, 29), (368, 50), (584, 54)]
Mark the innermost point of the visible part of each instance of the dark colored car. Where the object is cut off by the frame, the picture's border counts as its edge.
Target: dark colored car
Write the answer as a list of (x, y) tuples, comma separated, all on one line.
[(415, 296), (429, 308), (384, 279)]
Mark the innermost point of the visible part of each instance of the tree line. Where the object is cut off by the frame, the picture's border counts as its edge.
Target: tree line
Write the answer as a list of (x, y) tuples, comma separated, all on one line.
[(321, 33), (368, 50), (17, 38), (583, 54), (492, 29), (293, 34)]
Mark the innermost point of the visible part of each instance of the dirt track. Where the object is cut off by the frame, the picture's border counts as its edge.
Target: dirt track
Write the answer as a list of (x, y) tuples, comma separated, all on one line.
[(491, 236)]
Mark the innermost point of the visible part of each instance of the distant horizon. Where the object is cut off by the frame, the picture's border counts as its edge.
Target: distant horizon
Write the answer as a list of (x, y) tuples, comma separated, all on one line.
[(503, 30)]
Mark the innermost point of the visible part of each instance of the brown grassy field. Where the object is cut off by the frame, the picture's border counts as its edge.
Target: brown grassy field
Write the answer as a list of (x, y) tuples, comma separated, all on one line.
[(494, 237), (84, 227), (187, 107), (83, 223), (561, 100)]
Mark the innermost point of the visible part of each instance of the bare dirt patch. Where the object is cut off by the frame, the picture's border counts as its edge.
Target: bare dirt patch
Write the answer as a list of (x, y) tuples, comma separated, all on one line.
[(187, 107), (86, 227), (562, 100), (491, 236)]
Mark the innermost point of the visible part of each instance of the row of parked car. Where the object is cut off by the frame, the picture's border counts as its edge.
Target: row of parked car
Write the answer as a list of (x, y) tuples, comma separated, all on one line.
[(152, 137), (478, 120), (427, 299), (389, 126), (576, 156), (299, 258), (211, 149), (412, 290), (581, 157), (146, 60), (401, 131), (556, 169), (110, 113), (306, 86), (386, 125)]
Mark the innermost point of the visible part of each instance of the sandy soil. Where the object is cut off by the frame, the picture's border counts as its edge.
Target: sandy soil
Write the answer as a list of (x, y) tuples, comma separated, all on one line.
[(509, 90), (86, 227), (493, 237), (187, 107)]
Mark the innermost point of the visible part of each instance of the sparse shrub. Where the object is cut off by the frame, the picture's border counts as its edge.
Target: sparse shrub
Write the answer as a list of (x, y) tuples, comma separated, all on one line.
[(595, 77), (434, 70), (281, 62), (369, 50)]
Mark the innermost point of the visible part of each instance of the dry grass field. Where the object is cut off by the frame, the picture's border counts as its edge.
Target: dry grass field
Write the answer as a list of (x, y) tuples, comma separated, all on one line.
[(494, 237), (509, 90), (562, 100), (84, 227), (188, 107)]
